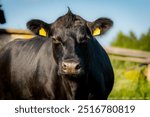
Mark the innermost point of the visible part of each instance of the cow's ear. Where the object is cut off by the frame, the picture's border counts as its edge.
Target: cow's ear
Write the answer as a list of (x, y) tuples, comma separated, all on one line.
[(38, 27), (100, 26)]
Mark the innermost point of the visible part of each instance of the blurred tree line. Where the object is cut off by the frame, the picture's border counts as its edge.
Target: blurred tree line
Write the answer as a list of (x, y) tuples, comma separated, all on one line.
[(132, 42)]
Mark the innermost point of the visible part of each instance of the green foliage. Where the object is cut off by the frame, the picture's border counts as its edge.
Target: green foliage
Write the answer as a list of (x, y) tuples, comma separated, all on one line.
[(130, 81), (132, 42)]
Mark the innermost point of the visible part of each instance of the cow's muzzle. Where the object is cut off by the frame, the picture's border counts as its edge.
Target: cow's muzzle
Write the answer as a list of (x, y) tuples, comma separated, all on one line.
[(71, 67)]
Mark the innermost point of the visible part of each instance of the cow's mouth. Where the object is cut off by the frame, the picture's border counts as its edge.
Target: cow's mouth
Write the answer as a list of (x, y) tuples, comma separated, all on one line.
[(71, 72)]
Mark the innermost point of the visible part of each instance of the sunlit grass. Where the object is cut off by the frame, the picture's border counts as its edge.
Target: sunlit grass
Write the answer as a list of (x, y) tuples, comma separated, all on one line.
[(130, 81)]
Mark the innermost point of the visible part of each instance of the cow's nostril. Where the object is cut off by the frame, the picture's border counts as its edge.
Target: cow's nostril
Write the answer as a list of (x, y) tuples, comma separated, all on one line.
[(77, 67), (64, 66)]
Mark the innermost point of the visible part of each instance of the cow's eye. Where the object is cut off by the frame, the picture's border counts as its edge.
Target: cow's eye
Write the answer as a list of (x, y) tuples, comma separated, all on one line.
[(56, 40), (84, 39), (87, 37)]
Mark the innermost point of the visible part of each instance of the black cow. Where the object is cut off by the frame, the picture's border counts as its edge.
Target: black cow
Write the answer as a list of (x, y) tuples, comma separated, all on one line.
[(64, 61)]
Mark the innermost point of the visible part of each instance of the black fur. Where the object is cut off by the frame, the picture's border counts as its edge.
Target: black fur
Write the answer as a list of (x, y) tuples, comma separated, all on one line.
[(31, 69)]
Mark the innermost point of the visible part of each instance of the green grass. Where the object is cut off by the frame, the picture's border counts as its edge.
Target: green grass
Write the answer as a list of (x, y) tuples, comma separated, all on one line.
[(130, 81)]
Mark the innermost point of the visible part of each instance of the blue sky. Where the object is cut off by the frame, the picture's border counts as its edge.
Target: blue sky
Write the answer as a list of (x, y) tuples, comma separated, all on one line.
[(127, 14)]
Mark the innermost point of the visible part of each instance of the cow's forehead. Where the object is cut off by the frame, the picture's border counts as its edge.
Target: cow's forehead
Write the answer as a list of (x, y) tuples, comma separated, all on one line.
[(73, 31), (64, 32), (69, 20)]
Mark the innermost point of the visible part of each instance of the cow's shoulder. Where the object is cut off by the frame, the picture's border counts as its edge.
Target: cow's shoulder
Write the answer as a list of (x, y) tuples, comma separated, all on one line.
[(23, 45)]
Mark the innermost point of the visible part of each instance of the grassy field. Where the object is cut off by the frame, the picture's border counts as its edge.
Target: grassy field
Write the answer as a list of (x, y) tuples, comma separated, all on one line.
[(130, 81)]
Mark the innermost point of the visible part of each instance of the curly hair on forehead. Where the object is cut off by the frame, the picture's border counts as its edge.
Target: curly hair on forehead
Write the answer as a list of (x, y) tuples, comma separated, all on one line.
[(66, 20)]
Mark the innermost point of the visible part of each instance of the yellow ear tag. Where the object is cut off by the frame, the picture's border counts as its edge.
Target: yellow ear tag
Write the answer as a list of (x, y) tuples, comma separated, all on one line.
[(96, 32), (42, 32)]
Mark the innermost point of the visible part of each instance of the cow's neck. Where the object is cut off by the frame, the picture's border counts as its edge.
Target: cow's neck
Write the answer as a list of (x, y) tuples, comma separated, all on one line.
[(74, 90), (70, 88)]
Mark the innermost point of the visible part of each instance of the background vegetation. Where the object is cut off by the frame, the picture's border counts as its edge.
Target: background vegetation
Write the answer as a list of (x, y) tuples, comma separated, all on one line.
[(130, 81), (132, 42)]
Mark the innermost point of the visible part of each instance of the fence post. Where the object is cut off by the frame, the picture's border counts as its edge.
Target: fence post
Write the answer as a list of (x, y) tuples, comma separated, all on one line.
[(148, 72)]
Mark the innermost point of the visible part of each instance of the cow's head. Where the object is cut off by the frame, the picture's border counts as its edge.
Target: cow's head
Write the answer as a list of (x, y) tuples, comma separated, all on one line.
[(70, 35)]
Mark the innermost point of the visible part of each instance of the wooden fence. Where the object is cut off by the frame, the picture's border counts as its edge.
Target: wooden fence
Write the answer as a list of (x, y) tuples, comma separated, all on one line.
[(122, 54), (129, 55), (116, 53), (15, 33)]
